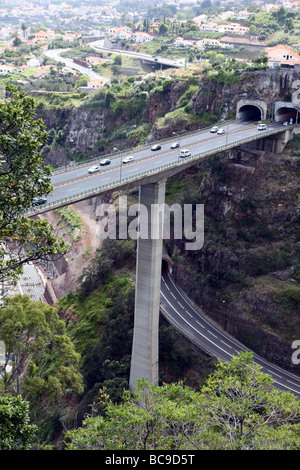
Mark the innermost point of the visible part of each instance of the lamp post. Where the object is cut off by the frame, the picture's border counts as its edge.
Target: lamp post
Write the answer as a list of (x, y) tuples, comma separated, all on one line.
[(115, 148), (175, 133), (227, 125)]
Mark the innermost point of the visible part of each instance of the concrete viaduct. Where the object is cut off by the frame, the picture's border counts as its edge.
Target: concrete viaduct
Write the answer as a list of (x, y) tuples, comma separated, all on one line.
[(144, 361)]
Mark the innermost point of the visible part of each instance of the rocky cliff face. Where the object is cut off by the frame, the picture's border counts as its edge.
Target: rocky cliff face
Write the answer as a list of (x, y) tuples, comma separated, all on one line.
[(268, 86), (79, 130), (243, 276)]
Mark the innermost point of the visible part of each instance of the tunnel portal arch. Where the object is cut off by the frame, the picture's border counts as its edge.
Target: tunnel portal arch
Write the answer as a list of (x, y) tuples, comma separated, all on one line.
[(285, 113), (251, 110)]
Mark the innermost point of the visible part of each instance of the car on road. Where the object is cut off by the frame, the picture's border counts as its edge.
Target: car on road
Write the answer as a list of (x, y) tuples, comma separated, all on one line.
[(105, 161), (156, 147), (39, 201), (128, 159), (221, 131), (214, 129), (94, 169), (285, 123), (43, 180), (185, 153), (175, 145), (261, 127)]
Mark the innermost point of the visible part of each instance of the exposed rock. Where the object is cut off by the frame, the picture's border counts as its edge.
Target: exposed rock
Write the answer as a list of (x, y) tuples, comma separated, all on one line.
[(251, 225)]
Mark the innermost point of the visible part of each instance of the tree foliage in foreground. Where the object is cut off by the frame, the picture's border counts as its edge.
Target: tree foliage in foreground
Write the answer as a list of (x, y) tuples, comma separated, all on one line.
[(237, 409), (44, 366), (16, 432), (23, 177)]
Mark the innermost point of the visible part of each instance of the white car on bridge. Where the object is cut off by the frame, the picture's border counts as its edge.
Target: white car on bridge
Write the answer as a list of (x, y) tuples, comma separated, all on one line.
[(185, 153), (94, 169), (128, 159)]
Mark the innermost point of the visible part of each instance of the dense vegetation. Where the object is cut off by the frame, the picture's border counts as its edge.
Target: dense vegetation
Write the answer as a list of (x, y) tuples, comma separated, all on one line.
[(74, 358), (23, 177), (236, 409)]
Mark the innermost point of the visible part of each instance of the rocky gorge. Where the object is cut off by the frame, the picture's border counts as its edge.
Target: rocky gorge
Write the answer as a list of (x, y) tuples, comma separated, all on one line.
[(244, 276)]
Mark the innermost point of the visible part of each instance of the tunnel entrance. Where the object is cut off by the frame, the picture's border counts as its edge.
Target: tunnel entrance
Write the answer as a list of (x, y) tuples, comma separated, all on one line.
[(250, 112), (286, 113), (166, 265)]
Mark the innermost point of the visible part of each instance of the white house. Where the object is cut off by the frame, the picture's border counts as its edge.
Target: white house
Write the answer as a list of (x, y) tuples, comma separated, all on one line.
[(279, 54), (141, 36), (33, 62), (95, 83), (5, 69)]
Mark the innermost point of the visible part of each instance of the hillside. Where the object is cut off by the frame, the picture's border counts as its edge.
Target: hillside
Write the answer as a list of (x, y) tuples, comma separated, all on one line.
[(246, 277), (251, 199)]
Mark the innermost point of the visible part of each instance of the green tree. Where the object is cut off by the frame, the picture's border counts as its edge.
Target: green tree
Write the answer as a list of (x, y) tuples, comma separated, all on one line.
[(16, 432), (24, 27), (163, 29), (238, 408), (244, 406), (152, 418), (17, 41), (41, 355), (117, 60), (22, 178)]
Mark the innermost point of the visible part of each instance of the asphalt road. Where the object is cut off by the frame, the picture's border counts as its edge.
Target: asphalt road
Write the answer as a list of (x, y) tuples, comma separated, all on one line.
[(215, 341), (99, 45), (55, 55), (77, 179)]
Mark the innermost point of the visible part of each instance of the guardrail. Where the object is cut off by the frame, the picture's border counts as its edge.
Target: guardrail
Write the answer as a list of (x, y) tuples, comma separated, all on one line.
[(120, 153), (158, 170)]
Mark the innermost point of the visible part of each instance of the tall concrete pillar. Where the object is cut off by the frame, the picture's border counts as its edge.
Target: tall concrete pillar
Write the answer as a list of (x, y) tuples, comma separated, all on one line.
[(144, 360)]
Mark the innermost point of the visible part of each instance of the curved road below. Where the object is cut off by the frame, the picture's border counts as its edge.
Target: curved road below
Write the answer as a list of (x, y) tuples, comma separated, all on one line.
[(54, 54), (199, 330)]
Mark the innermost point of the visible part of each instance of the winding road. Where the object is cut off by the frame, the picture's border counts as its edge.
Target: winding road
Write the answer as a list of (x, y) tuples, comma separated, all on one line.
[(207, 336), (55, 54)]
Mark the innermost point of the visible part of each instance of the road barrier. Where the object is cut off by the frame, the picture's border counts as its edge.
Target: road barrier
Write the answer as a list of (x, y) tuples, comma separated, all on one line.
[(193, 159)]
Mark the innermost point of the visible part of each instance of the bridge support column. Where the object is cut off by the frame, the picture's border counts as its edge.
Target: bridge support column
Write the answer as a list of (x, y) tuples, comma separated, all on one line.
[(144, 359)]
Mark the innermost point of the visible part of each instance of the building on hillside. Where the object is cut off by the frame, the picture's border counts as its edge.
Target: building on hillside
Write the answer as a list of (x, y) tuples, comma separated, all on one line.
[(180, 42), (235, 28), (141, 36), (92, 85), (95, 83), (33, 62), (41, 36), (122, 32), (243, 14), (207, 42), (198, 20), (210, 26), (6, 68), (280, 54), (95, 60)]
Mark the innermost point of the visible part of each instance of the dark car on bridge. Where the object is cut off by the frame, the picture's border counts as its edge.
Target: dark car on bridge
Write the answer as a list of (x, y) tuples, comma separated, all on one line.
[(39, 201), (104, 162)]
